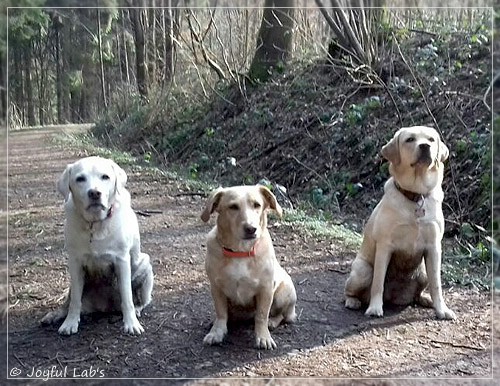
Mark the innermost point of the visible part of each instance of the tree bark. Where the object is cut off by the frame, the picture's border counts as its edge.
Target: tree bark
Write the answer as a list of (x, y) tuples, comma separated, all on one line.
[(170, 30), (137, 18), (124, 53), (101, 61), (29, 87), (275, 39), (3, 90)]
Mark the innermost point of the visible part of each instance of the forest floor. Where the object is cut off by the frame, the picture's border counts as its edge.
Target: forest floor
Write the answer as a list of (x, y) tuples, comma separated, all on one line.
[(406, 346)]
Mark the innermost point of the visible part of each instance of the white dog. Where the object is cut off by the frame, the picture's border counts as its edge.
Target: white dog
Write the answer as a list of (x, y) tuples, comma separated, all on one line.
[(107, 270)]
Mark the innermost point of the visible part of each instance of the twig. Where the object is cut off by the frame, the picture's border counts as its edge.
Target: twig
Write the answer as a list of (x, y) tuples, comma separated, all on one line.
[(458, 345), (422, 32), (148, 212), (202, 194), (20, 361), (489, 89)]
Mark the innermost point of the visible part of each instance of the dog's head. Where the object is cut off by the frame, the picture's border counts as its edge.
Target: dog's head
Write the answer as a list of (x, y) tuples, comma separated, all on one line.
[(93, 183), (416, 155), (242, 212)]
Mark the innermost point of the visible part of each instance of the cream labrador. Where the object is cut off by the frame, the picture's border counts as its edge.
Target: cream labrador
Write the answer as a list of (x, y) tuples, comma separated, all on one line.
[(107, 270), (241, 265), (401, 250)]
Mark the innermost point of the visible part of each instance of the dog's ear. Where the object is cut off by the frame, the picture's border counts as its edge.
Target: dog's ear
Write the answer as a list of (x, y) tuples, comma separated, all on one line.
[(443, 151), (390, 151), (270, 199), (63, 182), (212, 203), (120, 175)]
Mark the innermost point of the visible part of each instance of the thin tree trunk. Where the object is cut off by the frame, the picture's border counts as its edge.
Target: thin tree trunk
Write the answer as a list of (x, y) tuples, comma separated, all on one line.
[(29, 87), (101, 61), (3, 90), (170, 31), (124, 62), (275, 38), (137, 18), (59, 80)]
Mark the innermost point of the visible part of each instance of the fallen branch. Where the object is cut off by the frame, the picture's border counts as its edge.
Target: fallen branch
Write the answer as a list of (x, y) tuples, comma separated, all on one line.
[(148, 212), (458, 345), (201, 194)]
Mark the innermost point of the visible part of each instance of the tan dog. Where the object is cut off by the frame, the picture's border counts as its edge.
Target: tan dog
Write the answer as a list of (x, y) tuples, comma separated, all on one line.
[(241, 265), (108, 271), (401, 249)]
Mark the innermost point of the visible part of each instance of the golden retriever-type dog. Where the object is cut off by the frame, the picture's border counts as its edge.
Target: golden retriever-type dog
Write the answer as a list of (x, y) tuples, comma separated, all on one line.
[(401, 250), (107, 270), (241, 265)]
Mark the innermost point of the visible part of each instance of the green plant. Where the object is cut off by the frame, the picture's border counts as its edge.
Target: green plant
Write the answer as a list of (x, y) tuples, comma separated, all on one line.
[(193, 171)]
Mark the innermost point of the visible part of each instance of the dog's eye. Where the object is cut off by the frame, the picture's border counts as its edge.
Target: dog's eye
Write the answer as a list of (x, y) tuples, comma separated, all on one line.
[(410, 139), (105, 177), (431, 139), (81, 179), (234, 207), (256, 205)]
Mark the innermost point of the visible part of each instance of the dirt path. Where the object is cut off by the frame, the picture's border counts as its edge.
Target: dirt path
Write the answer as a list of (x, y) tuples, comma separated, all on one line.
[(326, 341)]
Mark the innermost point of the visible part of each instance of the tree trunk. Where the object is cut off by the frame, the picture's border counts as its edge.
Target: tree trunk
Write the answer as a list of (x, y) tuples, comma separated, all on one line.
[(124, 55), (170, 30), (137, 18), (59, 75), (101, 61), (29, 86), (275, 39), (3, 90), (16, 82)]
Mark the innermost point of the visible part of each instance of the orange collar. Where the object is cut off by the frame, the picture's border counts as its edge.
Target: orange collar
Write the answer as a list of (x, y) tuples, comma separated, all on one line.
[(230, 253)]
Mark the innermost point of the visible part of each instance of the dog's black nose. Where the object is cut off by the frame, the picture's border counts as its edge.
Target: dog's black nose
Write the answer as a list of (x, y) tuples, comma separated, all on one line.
[(94, 194), (249, 230), (424, 146)]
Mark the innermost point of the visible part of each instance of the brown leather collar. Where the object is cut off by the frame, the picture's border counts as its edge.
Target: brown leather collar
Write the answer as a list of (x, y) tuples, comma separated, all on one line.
[(412, 196)]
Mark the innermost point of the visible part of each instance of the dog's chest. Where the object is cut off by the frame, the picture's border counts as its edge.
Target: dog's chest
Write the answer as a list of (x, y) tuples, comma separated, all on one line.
[(238, 281), (414, 241)]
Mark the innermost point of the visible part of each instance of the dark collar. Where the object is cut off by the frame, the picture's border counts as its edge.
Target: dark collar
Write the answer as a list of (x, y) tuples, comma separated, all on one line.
[(110, 212), (412, 196)]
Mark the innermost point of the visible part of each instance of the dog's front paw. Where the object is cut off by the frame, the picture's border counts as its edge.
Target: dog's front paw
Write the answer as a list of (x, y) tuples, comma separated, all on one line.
[(132, 326), (70, 326), (374, 311), (215, 336), (265, 342), (352, 303), (445, 313)]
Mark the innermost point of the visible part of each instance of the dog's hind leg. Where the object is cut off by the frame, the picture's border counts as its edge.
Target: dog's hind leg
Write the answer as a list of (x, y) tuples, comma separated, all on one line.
[(144, 287), (421, 277), (358, 283), (283, 307), (56, 316)]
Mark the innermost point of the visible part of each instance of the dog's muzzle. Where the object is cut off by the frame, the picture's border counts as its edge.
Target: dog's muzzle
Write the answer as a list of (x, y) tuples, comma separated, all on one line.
[(424, 156), (95, 200), (249, 232)]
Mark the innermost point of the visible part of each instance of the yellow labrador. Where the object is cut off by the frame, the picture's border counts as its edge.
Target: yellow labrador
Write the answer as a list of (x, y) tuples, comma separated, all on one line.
[(241, 265), (107, 270), (401, 250)]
